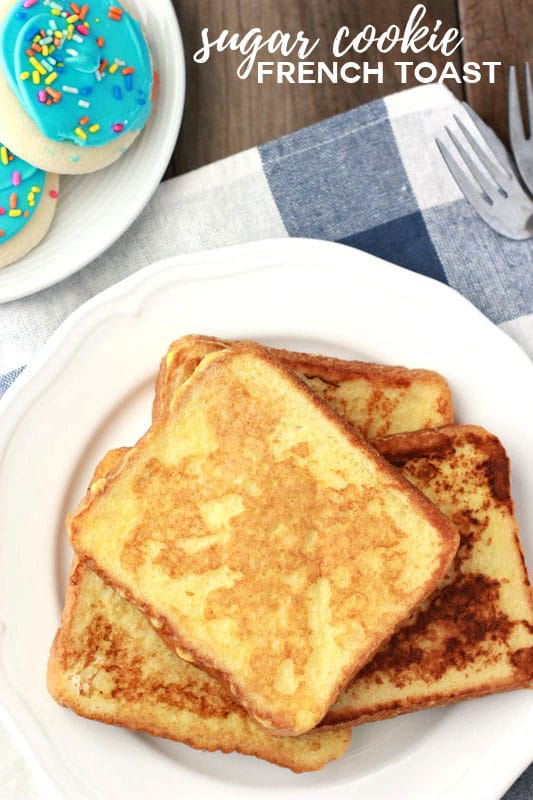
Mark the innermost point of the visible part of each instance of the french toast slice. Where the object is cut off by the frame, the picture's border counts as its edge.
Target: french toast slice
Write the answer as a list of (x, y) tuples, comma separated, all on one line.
[(266, 540), (377, 400), (108, 664), (474, 636)]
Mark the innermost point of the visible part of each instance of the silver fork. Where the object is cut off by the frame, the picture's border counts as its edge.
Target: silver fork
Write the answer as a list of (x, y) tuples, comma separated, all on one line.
[(496, 193), (522, 147)]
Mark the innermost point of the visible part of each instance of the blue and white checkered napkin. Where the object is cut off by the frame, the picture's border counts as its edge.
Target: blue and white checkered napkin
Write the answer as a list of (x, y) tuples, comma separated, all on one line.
[(371, 178)]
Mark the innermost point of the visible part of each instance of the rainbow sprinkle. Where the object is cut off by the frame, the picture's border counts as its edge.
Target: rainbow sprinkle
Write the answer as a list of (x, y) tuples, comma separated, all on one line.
[(115, 13)]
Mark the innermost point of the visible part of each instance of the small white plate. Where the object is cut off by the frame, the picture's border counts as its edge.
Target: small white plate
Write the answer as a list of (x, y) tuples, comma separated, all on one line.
[(90, 389), (94, 210)]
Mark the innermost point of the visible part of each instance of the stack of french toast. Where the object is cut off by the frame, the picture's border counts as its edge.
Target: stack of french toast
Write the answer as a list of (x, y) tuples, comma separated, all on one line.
[(297, 545)]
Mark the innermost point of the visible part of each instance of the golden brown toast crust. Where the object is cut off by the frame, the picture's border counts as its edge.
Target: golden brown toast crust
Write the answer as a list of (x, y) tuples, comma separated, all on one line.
[(380, 393), (471, 638), (279, 722)]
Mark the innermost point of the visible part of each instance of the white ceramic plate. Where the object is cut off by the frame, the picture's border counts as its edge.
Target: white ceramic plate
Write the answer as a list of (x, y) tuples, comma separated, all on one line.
[(94, 210), (90, 389)]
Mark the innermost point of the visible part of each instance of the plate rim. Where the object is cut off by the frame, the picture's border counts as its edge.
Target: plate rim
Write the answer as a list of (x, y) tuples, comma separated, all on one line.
[(137, 289), (188, 260), (8, 294)]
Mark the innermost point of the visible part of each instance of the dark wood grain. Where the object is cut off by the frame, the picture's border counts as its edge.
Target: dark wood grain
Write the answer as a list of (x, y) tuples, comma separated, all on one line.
[(224, 114), (496, 30)]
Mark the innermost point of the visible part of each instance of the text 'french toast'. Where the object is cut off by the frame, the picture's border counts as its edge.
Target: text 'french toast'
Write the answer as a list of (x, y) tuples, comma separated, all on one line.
[(377, 400), (267, 541), (474, 636)]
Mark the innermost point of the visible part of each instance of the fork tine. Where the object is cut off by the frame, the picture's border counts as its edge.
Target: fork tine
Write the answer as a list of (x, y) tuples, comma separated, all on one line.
[(529, 98), (507, 225), (490, 165), (491, 140), (522, 147), (461, 179), (516, 124), (487, 188)]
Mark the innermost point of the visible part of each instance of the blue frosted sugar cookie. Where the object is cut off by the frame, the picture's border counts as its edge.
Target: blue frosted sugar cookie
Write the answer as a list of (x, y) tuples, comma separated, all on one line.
[(28, 199), (76, 82)]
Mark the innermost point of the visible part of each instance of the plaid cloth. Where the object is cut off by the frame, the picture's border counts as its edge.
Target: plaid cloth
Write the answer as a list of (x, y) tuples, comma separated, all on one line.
[(371, 178)]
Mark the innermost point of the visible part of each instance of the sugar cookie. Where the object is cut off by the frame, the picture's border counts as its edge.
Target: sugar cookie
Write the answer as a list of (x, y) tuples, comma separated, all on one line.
[(28, 199), (75, 83)]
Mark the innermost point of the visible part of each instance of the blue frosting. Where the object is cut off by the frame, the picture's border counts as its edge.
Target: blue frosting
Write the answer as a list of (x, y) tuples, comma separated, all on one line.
[(82, 72), (21, 190)]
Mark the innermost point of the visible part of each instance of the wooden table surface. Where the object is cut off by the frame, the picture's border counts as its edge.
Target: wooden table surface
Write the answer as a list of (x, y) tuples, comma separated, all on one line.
[(224, 114)]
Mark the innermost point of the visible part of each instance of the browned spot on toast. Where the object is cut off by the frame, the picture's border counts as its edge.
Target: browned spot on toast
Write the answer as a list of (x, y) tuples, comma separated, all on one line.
[(451, 632), (406, 447), (523, 661)]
